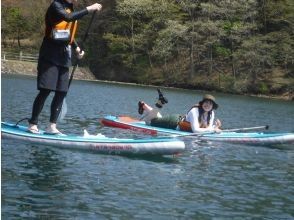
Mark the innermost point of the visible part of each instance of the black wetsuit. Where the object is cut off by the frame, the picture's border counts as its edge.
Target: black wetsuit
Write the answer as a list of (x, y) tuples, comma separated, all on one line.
[(54, 61)]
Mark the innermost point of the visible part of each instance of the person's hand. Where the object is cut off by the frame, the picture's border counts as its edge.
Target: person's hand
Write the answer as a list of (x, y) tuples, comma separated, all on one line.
[(94, 7), (80, 54), (217, 130), (218, 123)]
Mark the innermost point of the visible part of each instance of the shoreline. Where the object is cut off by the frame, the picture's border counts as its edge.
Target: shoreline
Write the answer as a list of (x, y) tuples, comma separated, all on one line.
[(17, 67)]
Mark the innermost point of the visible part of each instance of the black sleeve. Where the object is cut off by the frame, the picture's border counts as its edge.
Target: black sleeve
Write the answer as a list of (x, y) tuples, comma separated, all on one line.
[(61, 14)]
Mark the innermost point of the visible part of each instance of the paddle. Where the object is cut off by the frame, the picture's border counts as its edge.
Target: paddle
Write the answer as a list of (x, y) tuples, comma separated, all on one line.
[(64, 105), (266, 127)]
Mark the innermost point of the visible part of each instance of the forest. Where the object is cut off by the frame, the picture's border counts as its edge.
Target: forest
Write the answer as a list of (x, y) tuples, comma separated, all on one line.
[(232, 46)]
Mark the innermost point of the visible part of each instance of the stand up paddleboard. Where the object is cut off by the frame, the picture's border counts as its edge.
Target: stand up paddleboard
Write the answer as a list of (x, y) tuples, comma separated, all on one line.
[(260, 138), (100, 143)]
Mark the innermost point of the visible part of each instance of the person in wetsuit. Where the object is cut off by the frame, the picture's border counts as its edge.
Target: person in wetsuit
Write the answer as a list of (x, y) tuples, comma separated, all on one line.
[(55, 58)]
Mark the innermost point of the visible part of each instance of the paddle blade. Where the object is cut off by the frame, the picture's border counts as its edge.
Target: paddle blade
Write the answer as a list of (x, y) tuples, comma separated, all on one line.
[(63, 111)]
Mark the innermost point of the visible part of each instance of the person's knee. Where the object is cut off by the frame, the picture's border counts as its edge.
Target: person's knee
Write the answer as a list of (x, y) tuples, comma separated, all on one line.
[(60, 95), (44, 93)]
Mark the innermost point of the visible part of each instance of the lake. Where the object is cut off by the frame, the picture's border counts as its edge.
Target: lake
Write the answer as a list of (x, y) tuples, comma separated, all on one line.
[(208, 181)]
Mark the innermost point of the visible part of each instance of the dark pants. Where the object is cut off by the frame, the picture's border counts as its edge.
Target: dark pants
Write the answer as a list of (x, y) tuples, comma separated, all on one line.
[(168, 121), (51, 77), (39, 102)]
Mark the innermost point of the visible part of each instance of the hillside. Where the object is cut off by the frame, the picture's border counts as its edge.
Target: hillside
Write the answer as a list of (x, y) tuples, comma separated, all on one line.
[(210, 45)]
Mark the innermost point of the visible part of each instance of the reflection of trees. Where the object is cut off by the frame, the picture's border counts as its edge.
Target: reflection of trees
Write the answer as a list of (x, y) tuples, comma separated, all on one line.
[(47, 168), (44, 177)]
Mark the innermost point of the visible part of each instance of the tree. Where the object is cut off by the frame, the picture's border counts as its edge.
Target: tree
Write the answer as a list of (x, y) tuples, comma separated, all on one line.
[(169, 38), (23, 20), (135, 11), (238, 25), (276, 21), (14, 24)]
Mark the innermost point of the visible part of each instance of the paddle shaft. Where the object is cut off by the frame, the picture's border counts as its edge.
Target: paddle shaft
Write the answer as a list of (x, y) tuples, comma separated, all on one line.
[(266, 127), (226, 130), (64, 105), (81, 47)]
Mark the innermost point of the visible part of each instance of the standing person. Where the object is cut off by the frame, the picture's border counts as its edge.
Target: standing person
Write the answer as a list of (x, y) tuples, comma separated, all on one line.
[(201, 117), (55, 58)]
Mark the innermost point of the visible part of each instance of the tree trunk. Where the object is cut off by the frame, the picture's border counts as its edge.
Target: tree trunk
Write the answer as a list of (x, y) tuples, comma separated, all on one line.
[(209, 72), (18, 39), (192, 71), (133, 41), (149, 58), (232, 62)]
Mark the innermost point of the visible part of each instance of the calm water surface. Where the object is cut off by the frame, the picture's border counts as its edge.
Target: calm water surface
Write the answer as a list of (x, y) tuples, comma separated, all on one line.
[(209, 181)]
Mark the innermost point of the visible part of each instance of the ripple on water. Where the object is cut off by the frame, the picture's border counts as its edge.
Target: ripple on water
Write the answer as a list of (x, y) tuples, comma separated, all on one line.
[(209, 180)]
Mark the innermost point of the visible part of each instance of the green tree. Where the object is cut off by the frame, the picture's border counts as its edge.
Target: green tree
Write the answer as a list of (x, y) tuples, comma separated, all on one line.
[(276, 19), (14, 24), (168, 43), (135, 12)]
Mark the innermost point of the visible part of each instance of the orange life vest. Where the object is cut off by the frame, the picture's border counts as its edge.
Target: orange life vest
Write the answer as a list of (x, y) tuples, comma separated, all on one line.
[(186, 126), (66, 26)]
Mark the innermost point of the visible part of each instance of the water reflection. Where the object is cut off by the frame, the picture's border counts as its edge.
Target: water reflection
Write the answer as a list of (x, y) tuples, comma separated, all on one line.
[(44, 174), (44, 169)]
